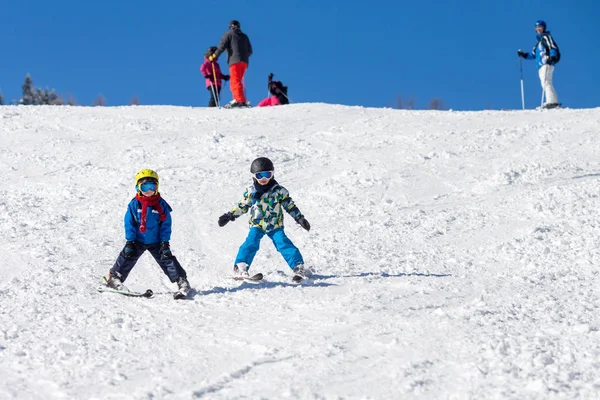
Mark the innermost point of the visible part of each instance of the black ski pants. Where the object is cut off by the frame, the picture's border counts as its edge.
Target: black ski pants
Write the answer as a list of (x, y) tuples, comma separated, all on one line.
[(169, 265), (213, 101)]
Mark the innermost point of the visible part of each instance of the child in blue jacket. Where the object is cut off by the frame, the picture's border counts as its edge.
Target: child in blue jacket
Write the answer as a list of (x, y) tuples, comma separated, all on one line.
[(148, 227), (265, 200)]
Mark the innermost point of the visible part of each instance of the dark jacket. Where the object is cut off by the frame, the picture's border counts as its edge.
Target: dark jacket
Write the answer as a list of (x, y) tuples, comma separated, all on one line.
[(237, 45)]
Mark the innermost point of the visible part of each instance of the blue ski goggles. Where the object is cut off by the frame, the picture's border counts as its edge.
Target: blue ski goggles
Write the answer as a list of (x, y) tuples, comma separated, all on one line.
[(263, 175), (146, 186)]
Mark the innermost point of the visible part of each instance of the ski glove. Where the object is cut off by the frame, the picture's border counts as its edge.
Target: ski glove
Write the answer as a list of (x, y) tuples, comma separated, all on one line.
[(225, 218), (551, 60), (165, 250), (129, 249), (225, 77), (521, 53), (303, 223)]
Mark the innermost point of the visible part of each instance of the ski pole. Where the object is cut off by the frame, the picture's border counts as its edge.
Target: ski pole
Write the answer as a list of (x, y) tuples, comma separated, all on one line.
[(212, 88), (215, 76), (285, 96), (269, 84), (544, 84), (542, 103), (522, 89)]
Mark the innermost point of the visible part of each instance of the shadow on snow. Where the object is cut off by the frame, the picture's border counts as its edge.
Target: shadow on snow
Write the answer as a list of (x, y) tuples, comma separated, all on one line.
[(312, 282)]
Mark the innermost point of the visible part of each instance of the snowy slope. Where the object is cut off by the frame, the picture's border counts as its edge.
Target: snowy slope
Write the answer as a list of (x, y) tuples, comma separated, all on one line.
[(456, 255)]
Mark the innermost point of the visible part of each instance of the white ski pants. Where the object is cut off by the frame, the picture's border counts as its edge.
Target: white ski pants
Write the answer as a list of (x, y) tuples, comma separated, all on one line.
[(545, 73)]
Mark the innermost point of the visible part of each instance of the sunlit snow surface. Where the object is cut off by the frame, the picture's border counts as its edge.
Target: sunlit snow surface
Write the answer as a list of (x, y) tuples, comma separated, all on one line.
[(456, 255)]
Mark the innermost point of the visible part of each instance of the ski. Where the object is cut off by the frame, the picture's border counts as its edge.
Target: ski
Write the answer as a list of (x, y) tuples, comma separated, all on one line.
[(148, 293), (230, 106), (254, 278), (553, 106)]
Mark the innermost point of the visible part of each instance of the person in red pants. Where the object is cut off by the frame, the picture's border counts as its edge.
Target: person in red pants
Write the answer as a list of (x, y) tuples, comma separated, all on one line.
[(238, 47)]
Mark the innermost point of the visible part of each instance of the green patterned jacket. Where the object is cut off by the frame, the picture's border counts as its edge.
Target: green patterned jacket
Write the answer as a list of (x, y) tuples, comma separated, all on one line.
[(266, 212)]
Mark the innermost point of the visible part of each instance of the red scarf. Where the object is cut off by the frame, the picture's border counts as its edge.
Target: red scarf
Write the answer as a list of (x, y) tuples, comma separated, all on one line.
[(153, 202)]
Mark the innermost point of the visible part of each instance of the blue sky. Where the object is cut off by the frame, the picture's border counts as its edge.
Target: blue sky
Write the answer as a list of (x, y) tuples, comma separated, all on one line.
[(348, 52)]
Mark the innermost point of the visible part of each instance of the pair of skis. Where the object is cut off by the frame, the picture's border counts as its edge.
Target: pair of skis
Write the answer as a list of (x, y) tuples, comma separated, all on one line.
[(178, 295), (258, 277)]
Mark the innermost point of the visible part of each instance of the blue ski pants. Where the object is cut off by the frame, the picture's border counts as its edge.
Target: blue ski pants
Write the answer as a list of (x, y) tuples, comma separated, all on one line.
[(282, 243), (169, 265)]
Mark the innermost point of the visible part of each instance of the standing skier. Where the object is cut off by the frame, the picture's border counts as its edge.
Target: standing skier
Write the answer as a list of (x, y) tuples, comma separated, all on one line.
[(214, 87), (238, 47), (266, 200), (546, 54), (148, 227)]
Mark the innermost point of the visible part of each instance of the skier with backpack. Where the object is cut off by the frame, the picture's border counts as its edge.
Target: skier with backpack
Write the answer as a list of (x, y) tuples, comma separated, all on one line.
[(546, 54)]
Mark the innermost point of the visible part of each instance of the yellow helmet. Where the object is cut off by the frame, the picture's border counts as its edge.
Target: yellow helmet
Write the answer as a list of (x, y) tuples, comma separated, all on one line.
[(147, 174)]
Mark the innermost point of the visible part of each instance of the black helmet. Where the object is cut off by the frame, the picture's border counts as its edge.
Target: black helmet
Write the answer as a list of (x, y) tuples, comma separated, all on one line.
[(234, 24), (211, 50), (261, 164)]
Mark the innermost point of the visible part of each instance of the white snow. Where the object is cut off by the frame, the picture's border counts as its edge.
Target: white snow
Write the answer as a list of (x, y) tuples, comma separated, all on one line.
[(456, 255)]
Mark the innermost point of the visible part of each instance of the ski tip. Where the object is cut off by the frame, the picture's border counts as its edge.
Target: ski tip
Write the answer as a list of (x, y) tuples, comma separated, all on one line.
[(257, 277), (253, 278)]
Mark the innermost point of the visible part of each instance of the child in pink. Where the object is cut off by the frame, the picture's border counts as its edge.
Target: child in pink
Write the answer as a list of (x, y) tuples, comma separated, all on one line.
[(279, 93), (207, 71)]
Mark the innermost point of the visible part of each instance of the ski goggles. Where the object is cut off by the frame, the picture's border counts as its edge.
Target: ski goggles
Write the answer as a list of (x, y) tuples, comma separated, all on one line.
[(146, 186), (263, 175)]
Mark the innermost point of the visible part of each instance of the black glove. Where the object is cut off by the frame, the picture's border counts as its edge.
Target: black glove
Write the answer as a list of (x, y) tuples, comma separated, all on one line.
[(521, 53), (225, 218), (551, 60), (165, 250), (303, 223), (225, 77), (129, 249)]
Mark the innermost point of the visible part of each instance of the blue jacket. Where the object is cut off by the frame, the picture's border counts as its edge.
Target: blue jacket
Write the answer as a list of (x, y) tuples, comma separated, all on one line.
[(543, 49), (156, 231)]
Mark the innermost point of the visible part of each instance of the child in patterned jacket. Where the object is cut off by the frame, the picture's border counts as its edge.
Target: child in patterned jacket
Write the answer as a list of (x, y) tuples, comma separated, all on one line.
[(266, 200)]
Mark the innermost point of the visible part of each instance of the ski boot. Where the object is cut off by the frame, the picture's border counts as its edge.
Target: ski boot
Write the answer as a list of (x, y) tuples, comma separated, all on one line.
[(183, 288), (114, 282), (241, 269), (301, 272)]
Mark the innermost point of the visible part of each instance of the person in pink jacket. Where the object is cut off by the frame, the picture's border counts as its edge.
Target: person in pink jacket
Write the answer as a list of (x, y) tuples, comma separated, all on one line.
[(279, 93), (207, 71)]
